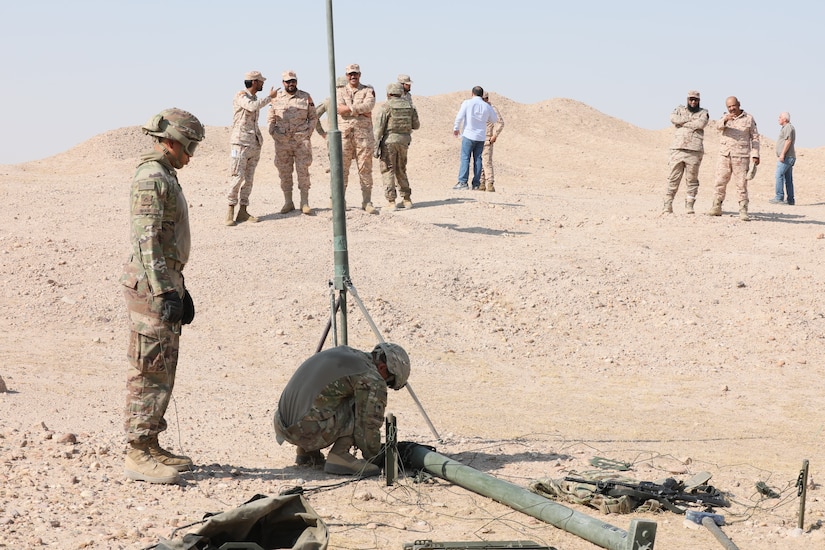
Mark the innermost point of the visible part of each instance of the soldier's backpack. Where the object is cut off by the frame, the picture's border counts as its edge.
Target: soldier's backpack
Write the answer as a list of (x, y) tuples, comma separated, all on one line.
[(262, 523)]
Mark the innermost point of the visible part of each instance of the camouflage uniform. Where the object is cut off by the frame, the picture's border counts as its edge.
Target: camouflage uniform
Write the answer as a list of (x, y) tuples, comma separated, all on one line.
[(488, 176), (246, 141), (357, 137), (686, 152), (292, 118), (160, 249), (397, 119), (738, 143), (333, 394), (404, 80)]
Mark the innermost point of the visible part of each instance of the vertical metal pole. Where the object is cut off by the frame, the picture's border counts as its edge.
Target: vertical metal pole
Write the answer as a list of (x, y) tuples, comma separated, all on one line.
[(802, 492), (336, 172)]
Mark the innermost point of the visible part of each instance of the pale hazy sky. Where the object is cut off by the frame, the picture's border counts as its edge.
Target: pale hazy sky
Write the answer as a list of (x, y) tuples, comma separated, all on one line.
[(72, 69)]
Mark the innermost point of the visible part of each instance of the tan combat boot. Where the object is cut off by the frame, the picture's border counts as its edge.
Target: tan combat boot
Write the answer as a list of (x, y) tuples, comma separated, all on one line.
[(288, 206), (716, 209), (244, 216), (407, 203), (689, 205), (341, 462), (178, 462), (391, 205), (491, 188), (366, 202), (140, 466), (230, 216), (305, 202), (668, 206), (743, 211)]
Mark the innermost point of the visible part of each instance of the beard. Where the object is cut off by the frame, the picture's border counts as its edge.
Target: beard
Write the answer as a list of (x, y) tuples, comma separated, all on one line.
[(693, 109)]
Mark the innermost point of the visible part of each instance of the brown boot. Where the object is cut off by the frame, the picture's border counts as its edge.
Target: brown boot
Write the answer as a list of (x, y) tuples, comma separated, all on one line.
[(341, 462), (366, 202), (491, 188), (743, 211), (244, 216), (668, 206), (230, 216), (689, 205), (305, 202), (288, 206), (178, 462), (716, 209), (140, 466), (309, 458)]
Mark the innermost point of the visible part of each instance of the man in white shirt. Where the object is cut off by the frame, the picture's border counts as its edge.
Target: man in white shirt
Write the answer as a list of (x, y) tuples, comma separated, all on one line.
[(473, 116)]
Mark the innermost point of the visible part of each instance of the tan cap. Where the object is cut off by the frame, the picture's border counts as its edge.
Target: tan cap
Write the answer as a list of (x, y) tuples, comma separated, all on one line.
[(485, 95), (694, 93), (254, 75), (289, 75), (404, 79), (354, 68)]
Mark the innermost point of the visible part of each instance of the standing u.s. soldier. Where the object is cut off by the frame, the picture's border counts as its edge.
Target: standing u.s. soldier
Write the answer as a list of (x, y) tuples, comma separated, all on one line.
[(156, 296), (686, 151), (292, 120), (397, 119), (355, 104)]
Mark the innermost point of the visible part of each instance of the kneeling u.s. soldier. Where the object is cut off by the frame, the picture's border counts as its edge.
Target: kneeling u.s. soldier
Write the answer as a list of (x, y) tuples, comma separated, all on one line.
[(337, 397)]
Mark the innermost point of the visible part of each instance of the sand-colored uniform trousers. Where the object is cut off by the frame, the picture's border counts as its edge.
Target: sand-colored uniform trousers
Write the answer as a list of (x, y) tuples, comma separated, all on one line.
[(684, 164), (242, 164), (357, 138), (732, 168), (488, 174), (292, 119)]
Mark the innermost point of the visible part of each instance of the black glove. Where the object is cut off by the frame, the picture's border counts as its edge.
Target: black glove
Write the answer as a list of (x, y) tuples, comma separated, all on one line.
[(188, 308), (171, 307)]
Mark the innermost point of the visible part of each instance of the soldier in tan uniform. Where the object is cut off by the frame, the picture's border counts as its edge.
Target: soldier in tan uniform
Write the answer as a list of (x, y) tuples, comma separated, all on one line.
[(738, 144), (488, 176), (292, 120), (355, 104), (322, 109), (404, 80), (686, 151), (246, 141)]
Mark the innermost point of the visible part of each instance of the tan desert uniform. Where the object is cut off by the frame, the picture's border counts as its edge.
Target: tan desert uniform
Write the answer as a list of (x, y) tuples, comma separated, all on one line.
[(686, 153), (738, 143), (246, 140), (292, 119), (357, 137), (488, 176)]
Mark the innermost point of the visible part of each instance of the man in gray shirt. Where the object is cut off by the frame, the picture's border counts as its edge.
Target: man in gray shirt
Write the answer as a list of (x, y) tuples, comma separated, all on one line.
[(786, 155)]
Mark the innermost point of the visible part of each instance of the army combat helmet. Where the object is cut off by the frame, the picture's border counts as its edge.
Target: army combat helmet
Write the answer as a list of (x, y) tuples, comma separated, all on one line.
[(395, 88), (179, 125), (397, 361)]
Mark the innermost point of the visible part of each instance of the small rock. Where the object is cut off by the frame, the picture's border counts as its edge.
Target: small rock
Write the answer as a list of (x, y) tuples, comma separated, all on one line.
[(69, 438)]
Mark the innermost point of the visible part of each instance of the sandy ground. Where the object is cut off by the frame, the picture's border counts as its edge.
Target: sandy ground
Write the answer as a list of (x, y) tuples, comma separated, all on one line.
[(558, 319)]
